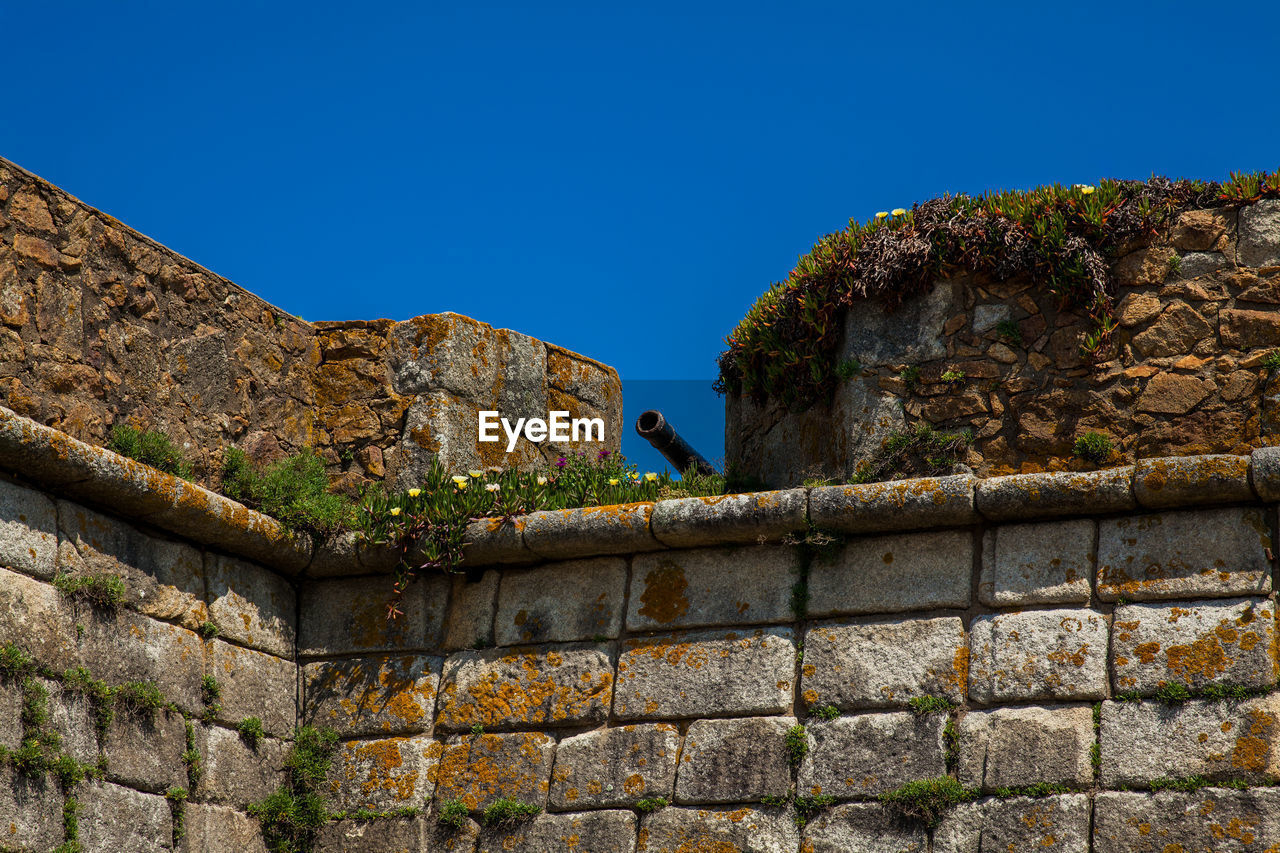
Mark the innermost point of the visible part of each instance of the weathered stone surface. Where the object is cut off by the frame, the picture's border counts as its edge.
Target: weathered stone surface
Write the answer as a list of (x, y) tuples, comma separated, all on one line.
[(394, 835), (598, 832), (729, 519), (1242, 329), (219, 829), (492, 541), (1043, 654), (1173, 394), (376, 695), (577, 600), (1264, 473), (734, 761), (1200, 229), (742, 830), (913, 332), (234, 773), (712, 586), (862, 828), (1191, 481), (71, 718), (1205, 552), (163, 579), (861, 756), (122, 820), (1048, 563), (1026, 745), (171, 657), (251, 605), (901, 505), (1259, 244), (1017, 825), (10, 714), (884, 664), (255, 685), (1221, 741), (350, 616), (37, 618), (705, 673), (385, 774), (1027, 496), (28, 531), (479, 769), (30, 810), (145, 752), (885, 574), (1231, 641), (1211, 820), (566, 534), (523, 687), (473, 603), (1179, 328), (442, 838), (1143, 267), (615, 766)]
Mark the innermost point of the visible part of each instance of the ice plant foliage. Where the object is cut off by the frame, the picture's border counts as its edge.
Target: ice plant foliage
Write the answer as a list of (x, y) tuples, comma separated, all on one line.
[(786, 348)]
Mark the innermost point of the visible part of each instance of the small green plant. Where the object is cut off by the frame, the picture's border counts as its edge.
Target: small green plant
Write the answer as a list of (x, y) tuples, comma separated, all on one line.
[(797, 741), (824, 712), (191, 756), (139, 698), (208, 630), (14, 662), (477, 729), (1095, 749), (1172, 694), (651, 804), (921, 705), (1272, 362), (926, 800), (151, 447), (951, 744), (922, 451), (103, 590), (71, 825), (807, 807), (507, 810), (771, 800), (848, 369), (1188, 783), (910, 377), (1175, 263), (452, 813), (293, 815), (952, 376), (294, 491), (1010, 332), (210, 689), (177, 798), (250, 729), (69, 771), (1093, 447)]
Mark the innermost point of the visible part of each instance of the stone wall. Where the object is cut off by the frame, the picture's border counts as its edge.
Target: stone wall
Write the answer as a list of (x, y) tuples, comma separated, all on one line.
[(1098, 651), (100, 325), (1184, 373)]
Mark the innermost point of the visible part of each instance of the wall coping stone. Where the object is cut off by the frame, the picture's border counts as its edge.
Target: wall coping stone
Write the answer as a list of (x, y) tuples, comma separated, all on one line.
[(103, 478)]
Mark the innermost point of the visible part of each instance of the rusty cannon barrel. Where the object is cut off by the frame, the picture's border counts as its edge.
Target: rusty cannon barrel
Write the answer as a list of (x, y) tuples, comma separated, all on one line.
[(653, 428)]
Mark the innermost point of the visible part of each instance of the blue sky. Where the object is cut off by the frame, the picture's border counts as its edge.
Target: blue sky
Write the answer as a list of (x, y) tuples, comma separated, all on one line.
[(623, 182)]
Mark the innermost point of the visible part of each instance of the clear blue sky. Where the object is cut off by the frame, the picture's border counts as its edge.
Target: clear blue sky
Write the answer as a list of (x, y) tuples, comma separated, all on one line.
[(621, 182)]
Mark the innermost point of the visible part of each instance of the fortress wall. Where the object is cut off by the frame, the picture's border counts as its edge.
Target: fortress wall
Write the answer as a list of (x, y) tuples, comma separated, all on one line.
[(598, 658), (101, 325), (1184, 371)]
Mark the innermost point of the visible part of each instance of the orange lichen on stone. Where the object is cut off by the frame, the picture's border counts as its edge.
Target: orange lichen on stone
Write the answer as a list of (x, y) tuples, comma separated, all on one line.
[(489, 766), (523, 688)]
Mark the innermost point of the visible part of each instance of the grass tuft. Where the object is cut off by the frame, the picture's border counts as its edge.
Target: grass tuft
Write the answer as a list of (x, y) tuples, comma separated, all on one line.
[(507, 810), (452, 813), (925, 801)]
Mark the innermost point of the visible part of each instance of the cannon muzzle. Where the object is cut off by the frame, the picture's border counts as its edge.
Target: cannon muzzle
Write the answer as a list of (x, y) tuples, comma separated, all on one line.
[(653, 428)]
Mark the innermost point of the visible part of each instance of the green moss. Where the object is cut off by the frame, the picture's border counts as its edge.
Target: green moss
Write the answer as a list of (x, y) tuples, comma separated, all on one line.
[(1093, 447), (824, 712), (921, 705), (250, 729), (507, 810), (452, 813), (104, 589), (651, 804), (808, 807), (925, 801), (1010, 332), (1187, 783), (208, 630), (797, 741)]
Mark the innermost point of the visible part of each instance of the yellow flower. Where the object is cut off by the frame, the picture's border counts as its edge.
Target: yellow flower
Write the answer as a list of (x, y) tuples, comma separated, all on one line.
[(492, 487), (413, 493), (613, 481), (459, 479), (882, 214), (898, 211), (542, 481), (395, 510), (651, 477), (1085, 189), (476, 474)]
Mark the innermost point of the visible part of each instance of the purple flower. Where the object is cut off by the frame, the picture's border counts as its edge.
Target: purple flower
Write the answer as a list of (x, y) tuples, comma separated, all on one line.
[(561, 462), (604, 454)]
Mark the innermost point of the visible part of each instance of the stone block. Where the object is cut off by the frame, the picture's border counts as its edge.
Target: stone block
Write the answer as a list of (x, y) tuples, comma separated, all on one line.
[(1259, 244), (862, 756), (493, 541), (234, 773), (473, 603), (914, 504), (1016, 825), (349, 616), (598, 832), (30, 811), (1191, 481), (480, 769), (712, 586), (1208, 552), (375, 695), (526, 687), (385, 835), (122, 820), (884, 664), (1211, 820), (734, 761), (704, 673), (28, 531), (566, 534), (1047, 563), (163, 579), (1221, 741), (36, 616), (384, 774), (1264, 473), (1231, 641), (1026, 745), (71, 717), (863, 828), (1048, 495), (1037, 655), (615, 767), (251, 605), (10, 714), (887, 574), (561, 602), (729, 519), (255, 685), (220, 829), (442, 838), (124, 646), (742, 830), (144, 752)]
